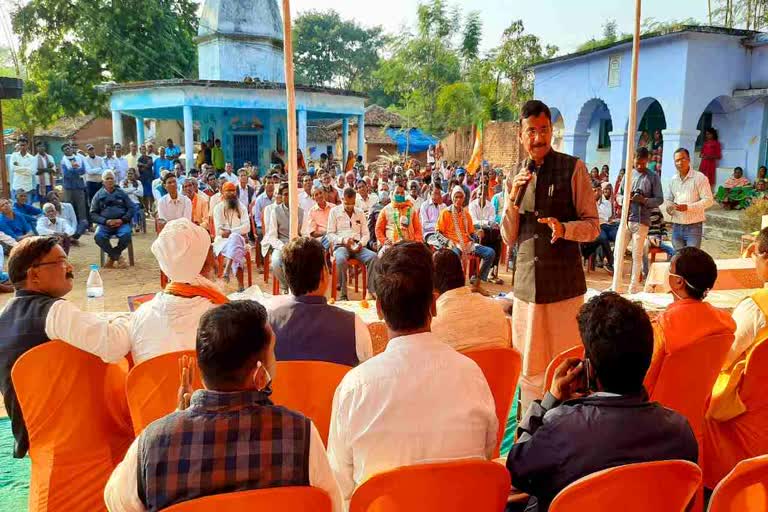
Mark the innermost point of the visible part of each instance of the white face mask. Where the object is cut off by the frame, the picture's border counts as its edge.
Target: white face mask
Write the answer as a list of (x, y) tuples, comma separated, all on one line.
[(689, 285), (268, 386)]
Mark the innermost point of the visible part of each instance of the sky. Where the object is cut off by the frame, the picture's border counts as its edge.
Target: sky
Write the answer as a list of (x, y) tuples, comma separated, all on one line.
[(564, 23)]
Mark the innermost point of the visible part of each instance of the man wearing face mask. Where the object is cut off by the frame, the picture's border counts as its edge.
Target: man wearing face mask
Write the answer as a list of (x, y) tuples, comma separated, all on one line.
[(692, 273), (546, 214), (398, 221), (231, 419), (348, 233)]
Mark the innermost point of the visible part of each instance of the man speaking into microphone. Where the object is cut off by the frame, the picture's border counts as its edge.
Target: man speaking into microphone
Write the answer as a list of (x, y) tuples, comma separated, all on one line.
[(548, 209)]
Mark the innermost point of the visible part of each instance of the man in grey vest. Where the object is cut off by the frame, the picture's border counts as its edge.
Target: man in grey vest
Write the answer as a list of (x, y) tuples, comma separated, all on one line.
[(548, 209), (278, 233)]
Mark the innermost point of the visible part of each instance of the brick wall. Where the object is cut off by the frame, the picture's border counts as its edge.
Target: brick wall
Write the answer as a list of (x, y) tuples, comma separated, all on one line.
[(501, 146)]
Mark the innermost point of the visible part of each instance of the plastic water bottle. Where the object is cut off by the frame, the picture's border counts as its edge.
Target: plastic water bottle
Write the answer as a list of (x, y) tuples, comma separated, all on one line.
[(94, 291)]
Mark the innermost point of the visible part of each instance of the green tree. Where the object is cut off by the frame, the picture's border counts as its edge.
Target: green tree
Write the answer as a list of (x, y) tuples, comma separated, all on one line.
[(69, 47), (470, 41), (329, 51)]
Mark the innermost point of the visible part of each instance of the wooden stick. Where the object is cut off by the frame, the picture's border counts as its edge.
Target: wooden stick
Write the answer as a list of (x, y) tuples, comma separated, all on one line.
[(618, 260), (290, 92), (4, 181)]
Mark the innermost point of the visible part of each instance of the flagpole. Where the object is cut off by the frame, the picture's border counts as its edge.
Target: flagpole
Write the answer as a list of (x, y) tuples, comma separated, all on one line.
[(290, 92), (630, 161)]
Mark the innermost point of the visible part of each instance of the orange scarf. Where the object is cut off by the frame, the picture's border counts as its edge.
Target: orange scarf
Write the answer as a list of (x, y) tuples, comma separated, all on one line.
[(189, 291)]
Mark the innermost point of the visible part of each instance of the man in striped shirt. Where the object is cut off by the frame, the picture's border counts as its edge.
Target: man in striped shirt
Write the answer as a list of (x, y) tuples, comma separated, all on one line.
[(688, 197)]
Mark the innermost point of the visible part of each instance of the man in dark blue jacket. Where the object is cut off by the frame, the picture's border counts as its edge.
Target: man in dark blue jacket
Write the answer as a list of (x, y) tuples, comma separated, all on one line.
[(584, 425), (112, 210)]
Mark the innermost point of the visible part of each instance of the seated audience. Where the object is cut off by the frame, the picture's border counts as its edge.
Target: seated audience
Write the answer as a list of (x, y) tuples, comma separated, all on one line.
[(373, 215), (331, 194), (266, 198), (398, 221), (456, 225), (199, 200), (232, 225), (736, 193), (484, 221), (112, 210), (245, 192), (658, 238), (132, 186), (692, 273), (22, 208), (348, 234), (317, 217), (600, 419), (365, 199), (278, 231), (12, 224), (465, 319), (51, 224), (306, 202), (42, 276), (67, 212), (414, 190), (430, 212), (419, 401), (173, 205), (5, 283), (306, 326), (242, 441)]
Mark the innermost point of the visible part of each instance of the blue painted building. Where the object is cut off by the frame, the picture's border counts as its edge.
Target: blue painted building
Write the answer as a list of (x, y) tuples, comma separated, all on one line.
[(688, 79), (239, 95)]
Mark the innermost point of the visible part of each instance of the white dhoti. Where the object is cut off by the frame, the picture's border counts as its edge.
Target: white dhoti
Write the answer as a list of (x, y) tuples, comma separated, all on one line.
[(232, 247), (539, 333)]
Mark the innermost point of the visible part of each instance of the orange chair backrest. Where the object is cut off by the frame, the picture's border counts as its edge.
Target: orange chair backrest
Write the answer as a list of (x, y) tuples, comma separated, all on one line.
[(308, 387), (745, 488), (152, 388), (752, 391), (283, 499), (661, 485), (549, 375), (75, 412), (476, 485), (501, 367), (687, 376)]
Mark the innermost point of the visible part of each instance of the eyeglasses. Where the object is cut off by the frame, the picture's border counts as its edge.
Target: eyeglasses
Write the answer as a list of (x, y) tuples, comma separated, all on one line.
[(56, 262)]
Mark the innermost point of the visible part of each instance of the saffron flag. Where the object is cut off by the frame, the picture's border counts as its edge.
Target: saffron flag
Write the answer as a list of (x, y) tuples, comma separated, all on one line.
[(477, 153)]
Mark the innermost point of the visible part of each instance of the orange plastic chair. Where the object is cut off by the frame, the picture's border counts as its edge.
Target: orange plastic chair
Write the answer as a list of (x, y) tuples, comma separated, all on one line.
[(549, 375), (286, 499), (308, 387), (666, 485), (745, 488), (476, 485), (75, 412), (355, 266), (152, 388), (501, 367)]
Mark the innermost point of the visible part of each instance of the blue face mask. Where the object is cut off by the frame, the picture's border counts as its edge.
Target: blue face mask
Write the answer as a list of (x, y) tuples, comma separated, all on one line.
[(399, 198)]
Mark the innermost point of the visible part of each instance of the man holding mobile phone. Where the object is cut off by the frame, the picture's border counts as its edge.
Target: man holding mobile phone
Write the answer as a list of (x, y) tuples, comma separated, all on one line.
[(596, 414)]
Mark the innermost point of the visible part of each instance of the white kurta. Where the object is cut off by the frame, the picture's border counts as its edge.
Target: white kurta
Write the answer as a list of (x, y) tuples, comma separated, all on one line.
[(224, 217)]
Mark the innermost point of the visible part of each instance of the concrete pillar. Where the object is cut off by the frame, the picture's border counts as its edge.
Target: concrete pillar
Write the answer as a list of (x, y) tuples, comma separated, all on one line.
[(618, 157), (189, 141), (117, 127), (361, 136), (302, 125), (344, 140), (575, 144), (674, 139), (139, 131)]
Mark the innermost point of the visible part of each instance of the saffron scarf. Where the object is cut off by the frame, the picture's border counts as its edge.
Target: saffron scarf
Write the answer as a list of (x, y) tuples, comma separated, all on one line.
[(189, 291)]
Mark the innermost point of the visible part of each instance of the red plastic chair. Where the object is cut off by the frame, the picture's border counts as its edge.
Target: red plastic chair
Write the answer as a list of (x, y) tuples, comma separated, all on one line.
[(353, 266), (286, 499), (666, 486), (467, 485), (501, 368), (549, 375), (308, 387), (77, 418), (744, 489), (152, 388)]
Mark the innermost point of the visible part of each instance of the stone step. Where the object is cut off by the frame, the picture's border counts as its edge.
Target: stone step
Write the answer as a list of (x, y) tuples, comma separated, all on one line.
[(724, 220), (724, 234)]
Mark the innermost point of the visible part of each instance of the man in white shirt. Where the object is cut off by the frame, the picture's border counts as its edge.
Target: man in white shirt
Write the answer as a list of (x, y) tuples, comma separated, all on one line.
[(419, 401), (484, 218), (305, 196), (688, 196), (430, 212), (172, 205), (132, 158), (245, 192), (120, 163), (94, 166), (236, 358), (278, 231), (414, 188), (229, 173), (23, 168), (348, 234), (67, 212), (365, 199), (50, 224), (609, 225)]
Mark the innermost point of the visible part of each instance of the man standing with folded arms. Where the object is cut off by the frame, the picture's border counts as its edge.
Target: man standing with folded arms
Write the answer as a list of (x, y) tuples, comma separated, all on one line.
[(557, 211)]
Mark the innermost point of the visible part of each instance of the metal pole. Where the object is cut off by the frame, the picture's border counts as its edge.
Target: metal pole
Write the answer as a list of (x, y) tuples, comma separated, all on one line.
[(293, 175), (629, 164), (4, 182)]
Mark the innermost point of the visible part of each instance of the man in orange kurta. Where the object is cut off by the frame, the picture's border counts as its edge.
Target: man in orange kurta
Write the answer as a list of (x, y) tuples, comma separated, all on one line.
[(200, 211), (399, 220)]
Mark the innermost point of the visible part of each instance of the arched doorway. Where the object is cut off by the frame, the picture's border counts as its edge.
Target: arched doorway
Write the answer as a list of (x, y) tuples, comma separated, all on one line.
[(649, 131), (592, 141), (558, 128)]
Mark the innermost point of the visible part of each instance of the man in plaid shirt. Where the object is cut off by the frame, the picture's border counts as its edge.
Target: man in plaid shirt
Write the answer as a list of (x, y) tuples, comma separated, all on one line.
[(229, 436)]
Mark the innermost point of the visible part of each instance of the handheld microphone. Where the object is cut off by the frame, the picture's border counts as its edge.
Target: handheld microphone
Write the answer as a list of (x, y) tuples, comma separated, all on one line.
[(521, 191)]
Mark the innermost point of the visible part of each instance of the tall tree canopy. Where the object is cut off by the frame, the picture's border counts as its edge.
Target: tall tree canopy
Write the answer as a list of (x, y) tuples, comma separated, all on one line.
[(70, 46), (333, 52)]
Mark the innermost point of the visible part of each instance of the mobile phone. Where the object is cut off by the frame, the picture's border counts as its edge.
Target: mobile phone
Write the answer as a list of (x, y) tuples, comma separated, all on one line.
[(586, 376)]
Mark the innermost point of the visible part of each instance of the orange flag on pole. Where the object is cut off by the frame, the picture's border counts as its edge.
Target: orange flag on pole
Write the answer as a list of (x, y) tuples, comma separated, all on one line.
[(477, 153)]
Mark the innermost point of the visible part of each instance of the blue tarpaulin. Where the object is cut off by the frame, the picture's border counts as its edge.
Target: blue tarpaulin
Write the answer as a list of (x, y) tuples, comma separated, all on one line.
[(416, 140)]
